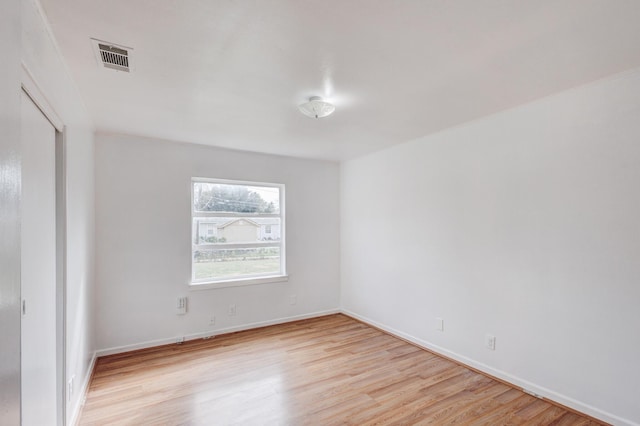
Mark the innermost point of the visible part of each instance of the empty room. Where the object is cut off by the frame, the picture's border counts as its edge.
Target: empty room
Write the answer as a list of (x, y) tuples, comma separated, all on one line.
[(286, 212)]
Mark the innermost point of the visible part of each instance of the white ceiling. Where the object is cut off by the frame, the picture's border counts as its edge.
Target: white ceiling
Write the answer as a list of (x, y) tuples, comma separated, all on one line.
[(231, 73)]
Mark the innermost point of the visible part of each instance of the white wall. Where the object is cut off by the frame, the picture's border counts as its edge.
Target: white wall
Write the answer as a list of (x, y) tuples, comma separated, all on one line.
[(10, 168), (42, 59), (525, 225), (143, 234)]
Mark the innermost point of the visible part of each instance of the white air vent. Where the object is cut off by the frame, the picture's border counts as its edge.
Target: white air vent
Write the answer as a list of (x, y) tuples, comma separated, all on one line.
[(113, 56)]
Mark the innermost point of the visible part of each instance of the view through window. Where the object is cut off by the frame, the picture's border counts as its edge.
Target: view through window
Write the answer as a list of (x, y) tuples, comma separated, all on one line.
[(237, 230)]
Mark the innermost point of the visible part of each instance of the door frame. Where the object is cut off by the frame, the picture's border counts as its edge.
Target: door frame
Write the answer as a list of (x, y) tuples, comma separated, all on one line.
[(33, 91)]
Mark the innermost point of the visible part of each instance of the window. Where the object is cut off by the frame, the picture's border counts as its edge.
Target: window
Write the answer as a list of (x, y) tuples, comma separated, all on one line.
[(229, 220)]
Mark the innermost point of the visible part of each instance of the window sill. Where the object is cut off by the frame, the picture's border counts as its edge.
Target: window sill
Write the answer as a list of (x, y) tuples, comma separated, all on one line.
[(207, 285)]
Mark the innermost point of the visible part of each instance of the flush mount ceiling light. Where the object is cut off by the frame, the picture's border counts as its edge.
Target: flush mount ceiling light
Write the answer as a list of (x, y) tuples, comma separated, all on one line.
[(316, 107)]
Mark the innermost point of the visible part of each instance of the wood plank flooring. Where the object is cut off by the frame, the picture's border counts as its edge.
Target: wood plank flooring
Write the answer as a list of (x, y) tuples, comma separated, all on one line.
[(331, 370)]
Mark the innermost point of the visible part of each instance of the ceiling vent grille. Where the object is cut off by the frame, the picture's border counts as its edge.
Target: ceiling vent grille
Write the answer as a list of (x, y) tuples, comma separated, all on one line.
[(112, 56)]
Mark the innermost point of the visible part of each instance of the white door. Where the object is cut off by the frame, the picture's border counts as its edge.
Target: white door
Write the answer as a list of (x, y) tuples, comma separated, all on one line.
[(38, 282)]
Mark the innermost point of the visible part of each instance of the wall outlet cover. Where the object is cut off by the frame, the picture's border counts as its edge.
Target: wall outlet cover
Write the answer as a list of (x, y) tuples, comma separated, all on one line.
[(181, 305), (490, 342), (70, 388)]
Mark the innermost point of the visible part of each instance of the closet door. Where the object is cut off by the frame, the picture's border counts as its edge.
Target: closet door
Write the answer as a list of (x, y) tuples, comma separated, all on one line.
[(38, 268)]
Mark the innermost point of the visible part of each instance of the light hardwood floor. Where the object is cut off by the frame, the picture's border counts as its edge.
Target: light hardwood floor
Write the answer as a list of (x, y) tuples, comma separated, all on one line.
[(331, 370)]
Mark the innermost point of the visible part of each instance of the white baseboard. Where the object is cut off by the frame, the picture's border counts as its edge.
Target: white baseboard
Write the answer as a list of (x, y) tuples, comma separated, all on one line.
[(82, 395), (513, 380), (169, 340)]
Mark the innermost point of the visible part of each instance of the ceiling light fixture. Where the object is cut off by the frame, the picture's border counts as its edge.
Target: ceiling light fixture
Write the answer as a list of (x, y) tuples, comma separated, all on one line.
[(316, 107)]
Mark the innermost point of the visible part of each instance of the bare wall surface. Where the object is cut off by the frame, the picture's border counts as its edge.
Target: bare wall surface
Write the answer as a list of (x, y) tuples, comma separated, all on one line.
[(143, 220), (523, 225), (10, 213)]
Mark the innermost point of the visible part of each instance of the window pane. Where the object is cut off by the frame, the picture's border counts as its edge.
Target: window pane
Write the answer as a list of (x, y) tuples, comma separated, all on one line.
[(237, 230), (219, 264), (220, 197), (212, 230)]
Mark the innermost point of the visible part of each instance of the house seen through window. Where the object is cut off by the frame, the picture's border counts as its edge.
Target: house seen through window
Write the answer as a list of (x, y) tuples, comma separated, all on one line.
[(237, 230)]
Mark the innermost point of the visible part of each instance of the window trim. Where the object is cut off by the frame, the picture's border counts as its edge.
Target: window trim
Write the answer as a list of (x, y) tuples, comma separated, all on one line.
[(238, 282), (244, 280)]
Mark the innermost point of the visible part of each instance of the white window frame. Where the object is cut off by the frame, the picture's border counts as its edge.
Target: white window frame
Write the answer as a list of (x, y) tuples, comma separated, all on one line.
[(209, 283)]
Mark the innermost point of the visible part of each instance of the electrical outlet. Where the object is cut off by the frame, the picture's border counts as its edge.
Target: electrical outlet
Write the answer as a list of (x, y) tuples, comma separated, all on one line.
[(70, 388), (439, 324), (293, 299), (212, 320), (232, 310), (490, 342), (181, 306)]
